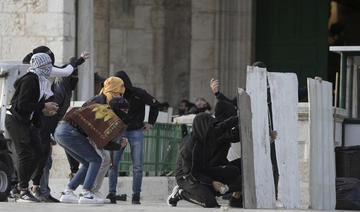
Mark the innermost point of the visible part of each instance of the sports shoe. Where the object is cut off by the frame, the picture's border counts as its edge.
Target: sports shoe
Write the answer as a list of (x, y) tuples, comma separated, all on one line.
[(174, 197), (121, 197), (68, 196), (27, 197), (135, 200), (89, 198), (50, 199), (15, 193), (101, 197), (37, 194), (111, 197)]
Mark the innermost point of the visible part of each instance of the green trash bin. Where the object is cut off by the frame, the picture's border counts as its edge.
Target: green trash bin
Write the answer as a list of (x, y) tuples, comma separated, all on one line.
[(160, 150)]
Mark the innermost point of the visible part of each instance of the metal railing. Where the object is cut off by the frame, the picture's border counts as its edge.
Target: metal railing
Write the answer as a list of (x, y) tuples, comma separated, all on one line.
[(160, 150)]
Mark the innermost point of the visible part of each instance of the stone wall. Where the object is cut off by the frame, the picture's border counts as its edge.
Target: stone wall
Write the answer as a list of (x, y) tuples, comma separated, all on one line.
[(101, 37), (221, 46), (27, 24), (203, 48), (137, 42)]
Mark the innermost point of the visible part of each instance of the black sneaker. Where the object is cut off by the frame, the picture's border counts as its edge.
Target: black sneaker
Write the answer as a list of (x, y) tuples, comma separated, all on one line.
[(37, 194), (236, 202), (50, 199), (174, 197), (112, 198), (27, 197), (15, 193), (121, 197), (135, 200)]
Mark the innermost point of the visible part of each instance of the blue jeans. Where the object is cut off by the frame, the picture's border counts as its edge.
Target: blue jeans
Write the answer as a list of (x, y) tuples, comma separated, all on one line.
[(78, 146), (135, 138), (44, 181)]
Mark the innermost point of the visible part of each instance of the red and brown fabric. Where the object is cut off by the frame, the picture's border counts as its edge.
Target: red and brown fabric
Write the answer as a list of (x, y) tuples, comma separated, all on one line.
[(97, 121)]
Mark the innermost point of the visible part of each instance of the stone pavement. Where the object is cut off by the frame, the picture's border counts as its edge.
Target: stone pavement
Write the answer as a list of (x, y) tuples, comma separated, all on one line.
[(120, 207)]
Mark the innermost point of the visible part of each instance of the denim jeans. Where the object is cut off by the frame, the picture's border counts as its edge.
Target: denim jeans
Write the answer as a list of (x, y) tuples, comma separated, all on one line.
[(135, 138), (44, 181), (78, 146)]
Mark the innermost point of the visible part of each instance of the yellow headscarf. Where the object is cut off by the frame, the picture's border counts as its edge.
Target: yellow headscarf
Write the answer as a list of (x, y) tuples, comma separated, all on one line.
[(113, 86)]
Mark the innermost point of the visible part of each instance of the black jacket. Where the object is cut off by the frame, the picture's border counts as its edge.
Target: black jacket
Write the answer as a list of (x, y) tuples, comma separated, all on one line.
[(221, 97), (62, 96), (26, 100), (198, 148), (137, 99)]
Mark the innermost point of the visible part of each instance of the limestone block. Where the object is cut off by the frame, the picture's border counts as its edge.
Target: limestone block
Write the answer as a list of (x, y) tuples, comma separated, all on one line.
[(101, 8), (69, 25), (117, 55), (15, 47), (101, 29), (102, 50), (140, 47), (38, 6), (202, 54), (147, 2), (199, 84), (203, 26), (57, 46), (142, 17), (57, 6), (204, 5), (1, 6), (12, 24), (69, 6), (15, 6), (158, 17), (121, 16), (44, 24), (69, 50), (117, 37)]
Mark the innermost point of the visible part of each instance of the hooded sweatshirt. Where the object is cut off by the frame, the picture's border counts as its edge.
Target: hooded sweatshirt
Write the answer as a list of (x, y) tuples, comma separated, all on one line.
[(197, 148), (223, 111), (137, 99)]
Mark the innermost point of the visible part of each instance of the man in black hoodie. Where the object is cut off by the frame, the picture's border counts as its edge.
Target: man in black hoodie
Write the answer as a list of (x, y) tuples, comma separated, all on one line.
[(198, 176), (137, 99), (23, 121), (62, 90)]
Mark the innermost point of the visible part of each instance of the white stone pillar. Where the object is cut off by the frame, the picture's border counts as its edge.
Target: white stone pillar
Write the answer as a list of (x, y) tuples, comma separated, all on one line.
[(85, 36)]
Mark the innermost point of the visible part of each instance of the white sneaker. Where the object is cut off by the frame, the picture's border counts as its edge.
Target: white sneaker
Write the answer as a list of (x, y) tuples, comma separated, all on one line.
[(90, 198), (101, 197), (68, 197)]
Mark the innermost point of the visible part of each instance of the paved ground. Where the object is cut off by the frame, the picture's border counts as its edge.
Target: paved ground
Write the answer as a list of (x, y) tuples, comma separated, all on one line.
[(120, 207)]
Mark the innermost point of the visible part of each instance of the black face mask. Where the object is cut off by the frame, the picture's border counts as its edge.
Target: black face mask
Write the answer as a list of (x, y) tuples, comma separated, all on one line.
[(73, 82)]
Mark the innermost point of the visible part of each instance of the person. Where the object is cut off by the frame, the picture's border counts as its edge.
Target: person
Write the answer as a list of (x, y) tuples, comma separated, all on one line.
[(137, 99), (198, 177), (23, 121), (185, 107), (62, 90), (80, 133), (113, 87), (201, 106), (214, 85), (164, 107)]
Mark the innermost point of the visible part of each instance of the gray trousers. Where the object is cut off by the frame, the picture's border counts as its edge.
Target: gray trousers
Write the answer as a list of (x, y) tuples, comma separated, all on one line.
[(105, 165)]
